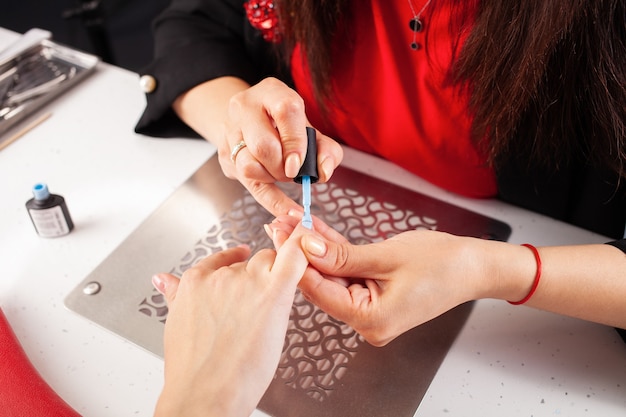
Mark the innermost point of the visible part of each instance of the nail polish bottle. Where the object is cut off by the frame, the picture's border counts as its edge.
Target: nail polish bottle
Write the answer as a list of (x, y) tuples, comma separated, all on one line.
[(48, 212)]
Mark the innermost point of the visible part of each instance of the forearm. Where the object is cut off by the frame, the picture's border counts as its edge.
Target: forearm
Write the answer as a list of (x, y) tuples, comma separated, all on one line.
[(226, 400), (586, 281), (204, 108)]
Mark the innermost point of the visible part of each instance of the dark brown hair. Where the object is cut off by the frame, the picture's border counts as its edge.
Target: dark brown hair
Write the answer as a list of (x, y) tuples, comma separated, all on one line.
[(314, 24), (544, 77)]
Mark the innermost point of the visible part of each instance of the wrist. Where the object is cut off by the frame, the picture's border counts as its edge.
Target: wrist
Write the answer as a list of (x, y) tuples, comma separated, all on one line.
[(510, 271), (536, 279), (205, 107), (223, 398), (186, 405)]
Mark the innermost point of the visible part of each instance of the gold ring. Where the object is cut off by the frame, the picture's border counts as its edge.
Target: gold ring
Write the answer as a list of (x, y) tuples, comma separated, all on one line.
[(236, 149)]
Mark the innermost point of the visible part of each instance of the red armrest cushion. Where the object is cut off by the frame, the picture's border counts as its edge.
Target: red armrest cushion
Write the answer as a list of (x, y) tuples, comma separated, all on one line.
[(23, 392)]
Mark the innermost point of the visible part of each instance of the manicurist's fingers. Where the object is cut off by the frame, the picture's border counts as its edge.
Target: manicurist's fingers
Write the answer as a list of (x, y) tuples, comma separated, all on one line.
[(329, 156), (343, 259), (287, 112), (271, 197)]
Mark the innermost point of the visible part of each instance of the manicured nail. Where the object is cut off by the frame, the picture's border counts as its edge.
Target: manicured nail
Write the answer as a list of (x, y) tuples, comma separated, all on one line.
[(159, 283), (292, 165), (314, 245)]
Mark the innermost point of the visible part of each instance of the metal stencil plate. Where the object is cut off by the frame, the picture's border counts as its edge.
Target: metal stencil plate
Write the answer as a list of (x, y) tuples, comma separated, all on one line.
[(326, 368)]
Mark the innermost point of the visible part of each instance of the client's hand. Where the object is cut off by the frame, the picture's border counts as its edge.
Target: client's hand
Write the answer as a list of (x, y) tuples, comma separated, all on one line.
[(226, 328)]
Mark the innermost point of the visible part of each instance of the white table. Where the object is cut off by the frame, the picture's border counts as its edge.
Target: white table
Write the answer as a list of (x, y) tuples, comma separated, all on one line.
[(512, 361)]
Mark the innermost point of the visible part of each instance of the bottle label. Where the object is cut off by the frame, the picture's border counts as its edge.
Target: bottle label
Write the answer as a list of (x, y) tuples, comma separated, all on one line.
[(50, 222)]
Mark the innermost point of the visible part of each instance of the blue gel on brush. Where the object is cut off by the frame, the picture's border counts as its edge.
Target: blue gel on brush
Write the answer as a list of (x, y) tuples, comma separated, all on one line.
[(307, 221), (308, 175)]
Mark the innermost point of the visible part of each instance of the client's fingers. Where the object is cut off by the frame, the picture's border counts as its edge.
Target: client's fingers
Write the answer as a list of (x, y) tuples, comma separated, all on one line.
[(219, 259), (290, 262), (166, 284)]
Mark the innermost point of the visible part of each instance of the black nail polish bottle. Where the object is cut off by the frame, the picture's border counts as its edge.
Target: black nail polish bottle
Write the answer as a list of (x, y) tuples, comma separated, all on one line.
[(49, 213)]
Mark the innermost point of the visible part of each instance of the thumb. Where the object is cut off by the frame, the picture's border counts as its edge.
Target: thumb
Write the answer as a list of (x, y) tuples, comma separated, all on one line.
[(166, 284), (342, 259)]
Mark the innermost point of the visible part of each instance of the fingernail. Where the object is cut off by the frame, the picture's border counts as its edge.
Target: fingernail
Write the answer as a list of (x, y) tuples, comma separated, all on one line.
[(159, 283), (272, 232), (327, 167), (292, 165), (314, 245), (295, 213)]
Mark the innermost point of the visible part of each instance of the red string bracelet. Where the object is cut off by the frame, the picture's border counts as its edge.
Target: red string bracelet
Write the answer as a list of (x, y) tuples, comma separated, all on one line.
[(537, 276)]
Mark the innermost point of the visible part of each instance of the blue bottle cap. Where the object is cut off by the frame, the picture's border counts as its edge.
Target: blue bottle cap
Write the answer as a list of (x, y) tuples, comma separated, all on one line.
[(40, 191)]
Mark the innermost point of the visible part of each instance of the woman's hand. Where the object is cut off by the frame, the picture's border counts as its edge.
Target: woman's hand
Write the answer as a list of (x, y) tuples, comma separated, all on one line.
[(270, 119), (226, 328), (384, 289)]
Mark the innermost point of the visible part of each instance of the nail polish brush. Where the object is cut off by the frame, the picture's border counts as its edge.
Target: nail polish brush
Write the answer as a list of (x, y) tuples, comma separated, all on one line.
[(308, 175)]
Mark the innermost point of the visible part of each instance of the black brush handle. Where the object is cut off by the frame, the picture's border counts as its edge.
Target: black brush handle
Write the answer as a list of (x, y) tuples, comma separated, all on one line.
[(309, 167)]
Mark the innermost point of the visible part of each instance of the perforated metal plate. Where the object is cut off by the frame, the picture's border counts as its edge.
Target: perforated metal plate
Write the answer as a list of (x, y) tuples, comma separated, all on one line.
[(326, 367)]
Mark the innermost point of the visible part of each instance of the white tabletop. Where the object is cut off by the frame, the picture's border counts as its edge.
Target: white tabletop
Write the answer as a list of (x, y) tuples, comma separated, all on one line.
[(512, 361)]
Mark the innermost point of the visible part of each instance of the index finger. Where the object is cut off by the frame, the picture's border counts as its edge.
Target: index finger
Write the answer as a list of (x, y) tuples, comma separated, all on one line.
[(271, 197), (290, 263), (222, 258), (290, 119)]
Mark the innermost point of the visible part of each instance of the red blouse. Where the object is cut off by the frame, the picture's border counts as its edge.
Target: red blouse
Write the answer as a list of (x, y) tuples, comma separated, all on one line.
[(393, 101)]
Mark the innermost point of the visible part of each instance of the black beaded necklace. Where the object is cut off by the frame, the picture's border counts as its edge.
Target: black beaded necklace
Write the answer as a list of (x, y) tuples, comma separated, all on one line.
[(416, 24)]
